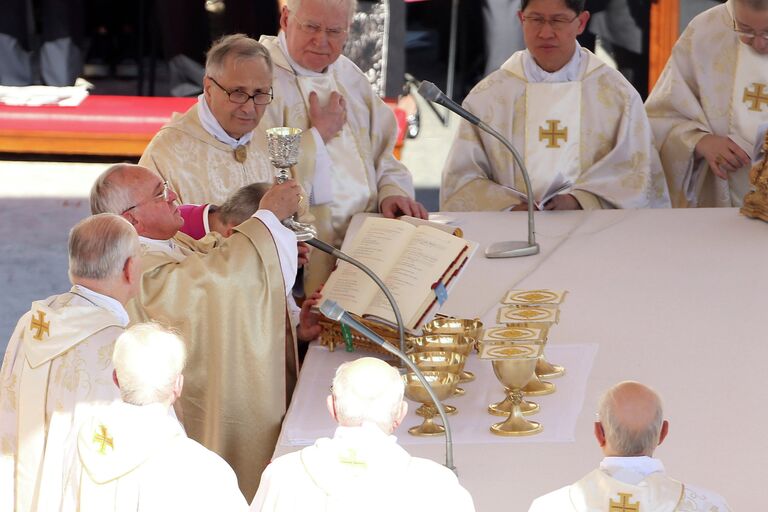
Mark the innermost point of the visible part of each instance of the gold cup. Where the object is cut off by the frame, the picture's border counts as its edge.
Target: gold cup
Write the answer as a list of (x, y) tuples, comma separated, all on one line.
[(446, 343), (504, 407), (514, 373), (451, 362), (445, 325), (443, 384)]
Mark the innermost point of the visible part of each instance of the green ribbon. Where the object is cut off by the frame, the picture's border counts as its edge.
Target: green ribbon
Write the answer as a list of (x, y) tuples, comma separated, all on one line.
[(347, 335)]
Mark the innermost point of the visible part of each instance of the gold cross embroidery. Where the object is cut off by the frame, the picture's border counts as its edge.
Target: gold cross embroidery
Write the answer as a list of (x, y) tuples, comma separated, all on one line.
[(623, 504), (553, 134), (756, 97), (41, 325), (102, 438)]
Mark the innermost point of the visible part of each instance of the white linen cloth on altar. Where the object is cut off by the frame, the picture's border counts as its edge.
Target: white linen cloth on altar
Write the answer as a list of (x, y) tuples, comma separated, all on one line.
[(308, 418)]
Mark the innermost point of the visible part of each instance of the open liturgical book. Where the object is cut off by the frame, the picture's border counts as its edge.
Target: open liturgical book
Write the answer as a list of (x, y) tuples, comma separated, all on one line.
[(417, 263), (558, 186)]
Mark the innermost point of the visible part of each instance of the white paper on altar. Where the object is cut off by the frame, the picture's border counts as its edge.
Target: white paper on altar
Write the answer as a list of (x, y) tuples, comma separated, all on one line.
[(39, 95), (308, 418)]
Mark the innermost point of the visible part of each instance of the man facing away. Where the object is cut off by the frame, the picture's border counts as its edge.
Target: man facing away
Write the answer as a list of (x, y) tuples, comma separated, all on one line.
[(58, 364), (134, 455), (630, 427), (227, 298), (362, 467), (711, 98), (579, 125), (326, 95)]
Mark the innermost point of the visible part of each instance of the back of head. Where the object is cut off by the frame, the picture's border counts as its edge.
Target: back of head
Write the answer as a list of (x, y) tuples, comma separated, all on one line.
[(99, 246), (241, 205), (295, 5), (368, 390), (237, 46), (576, 6), (107, 194), (148, 360), (631, 415)]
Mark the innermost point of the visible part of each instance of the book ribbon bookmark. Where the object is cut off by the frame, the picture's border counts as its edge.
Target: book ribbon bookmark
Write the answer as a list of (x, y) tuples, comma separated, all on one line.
[(440, 292)]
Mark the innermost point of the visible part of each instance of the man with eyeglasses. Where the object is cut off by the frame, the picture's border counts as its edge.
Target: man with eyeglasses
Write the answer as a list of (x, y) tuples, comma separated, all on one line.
[(630, 426), (325, 94), (579, 125), (228, 299), (709, 102), (214, 149)]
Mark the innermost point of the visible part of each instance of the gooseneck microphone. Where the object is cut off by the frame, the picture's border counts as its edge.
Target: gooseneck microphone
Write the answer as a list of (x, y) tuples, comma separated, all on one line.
[(431, 92), (333, 311)]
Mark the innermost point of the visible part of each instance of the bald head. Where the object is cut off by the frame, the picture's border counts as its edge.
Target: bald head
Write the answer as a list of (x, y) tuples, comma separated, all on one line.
[(631, 417), (368, 390)]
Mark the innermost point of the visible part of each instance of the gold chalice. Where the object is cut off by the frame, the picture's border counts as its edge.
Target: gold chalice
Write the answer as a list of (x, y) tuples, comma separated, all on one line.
[(442, 384), (451, 362), (446, 343), (514, 373), (504, 407), (547, 370), (538, 387), (445, 325)]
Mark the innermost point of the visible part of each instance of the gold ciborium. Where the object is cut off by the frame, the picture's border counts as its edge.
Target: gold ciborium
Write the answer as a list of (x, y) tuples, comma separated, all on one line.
[(504, 407), (446, 343), (451, 362), (514, 373), (443, 384)]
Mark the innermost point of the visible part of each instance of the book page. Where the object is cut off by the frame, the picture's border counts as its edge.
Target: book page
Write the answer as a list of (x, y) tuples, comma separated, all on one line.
[(427, 258), (377, 245)]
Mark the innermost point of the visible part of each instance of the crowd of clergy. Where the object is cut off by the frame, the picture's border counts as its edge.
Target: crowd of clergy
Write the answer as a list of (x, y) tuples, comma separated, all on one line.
[(159, 381)]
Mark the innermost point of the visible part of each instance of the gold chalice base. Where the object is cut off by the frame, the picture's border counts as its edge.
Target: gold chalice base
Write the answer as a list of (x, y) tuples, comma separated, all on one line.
[(536, 387), (443, 385), (547, 370), (449, 409), (466, 376), (516, 426), (504, 407)]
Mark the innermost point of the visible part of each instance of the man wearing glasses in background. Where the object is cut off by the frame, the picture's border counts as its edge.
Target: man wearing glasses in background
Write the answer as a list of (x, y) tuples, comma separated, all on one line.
[(213, 149), (579, 125), (706, 108), (325, 94)]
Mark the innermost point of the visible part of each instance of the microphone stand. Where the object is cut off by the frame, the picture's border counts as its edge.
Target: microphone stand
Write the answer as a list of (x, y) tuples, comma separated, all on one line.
[(335, 312), (432, 93), (329, 249)]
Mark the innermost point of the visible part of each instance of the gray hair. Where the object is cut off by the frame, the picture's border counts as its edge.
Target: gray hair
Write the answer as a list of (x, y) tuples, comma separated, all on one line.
[(243, 203), (240, 46), (630, 442), (295, 5), (100, 245), (106, 196), (373, 395), (148, 358)]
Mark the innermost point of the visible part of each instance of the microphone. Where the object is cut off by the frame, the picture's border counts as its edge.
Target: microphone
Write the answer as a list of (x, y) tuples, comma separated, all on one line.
[(333, 311), (329, 249), (431, 92)]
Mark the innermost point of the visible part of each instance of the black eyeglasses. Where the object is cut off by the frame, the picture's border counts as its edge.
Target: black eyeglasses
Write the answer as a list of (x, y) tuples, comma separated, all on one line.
[(241, 98)]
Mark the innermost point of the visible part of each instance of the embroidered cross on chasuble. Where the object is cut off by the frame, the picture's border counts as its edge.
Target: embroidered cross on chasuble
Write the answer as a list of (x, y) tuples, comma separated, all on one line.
[(623, 504), (40, 325), (552, 134), (757, 97), (102, 437)]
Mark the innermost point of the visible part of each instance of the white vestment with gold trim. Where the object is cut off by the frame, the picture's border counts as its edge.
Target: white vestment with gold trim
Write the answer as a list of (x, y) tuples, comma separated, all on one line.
[(57, 368), (138, 459), (613, 164), (710, 85)]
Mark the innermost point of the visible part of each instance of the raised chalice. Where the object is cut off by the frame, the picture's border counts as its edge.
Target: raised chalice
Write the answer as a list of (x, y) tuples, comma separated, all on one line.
[(514, 372), (283, 145), (443, 384), (446, 343), (451, 362)]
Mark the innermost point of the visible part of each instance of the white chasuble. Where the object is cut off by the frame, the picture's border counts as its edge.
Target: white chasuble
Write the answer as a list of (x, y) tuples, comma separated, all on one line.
[(57, 367), (598, 491), (552, 134)]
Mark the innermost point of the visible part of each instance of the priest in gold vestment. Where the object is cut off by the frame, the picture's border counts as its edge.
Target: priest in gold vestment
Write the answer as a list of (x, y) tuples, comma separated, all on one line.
[(631, 425), (58, 364), (579, 125), (354, 132), (706, 108), (227, 298), (214, 148)]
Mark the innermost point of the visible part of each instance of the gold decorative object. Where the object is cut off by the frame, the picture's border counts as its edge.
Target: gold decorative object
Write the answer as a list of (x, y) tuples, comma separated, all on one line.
[(514, 333), (547, 370), (446, 343), (443, 384), (40, 325), (451, 362), (534, 297), (445, 325), (538, 387), (531, 316), (504, 407), (756, 201), (514, 373)]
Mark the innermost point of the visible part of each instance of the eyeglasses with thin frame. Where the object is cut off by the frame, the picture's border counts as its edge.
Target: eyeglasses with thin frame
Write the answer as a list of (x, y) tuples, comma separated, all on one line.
[(165, 195), (241, 98), (312, 28), (749, 34), (558, 23)]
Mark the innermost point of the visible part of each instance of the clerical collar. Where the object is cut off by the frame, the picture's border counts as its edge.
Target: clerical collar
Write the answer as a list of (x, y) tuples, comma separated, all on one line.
[(567, 73), (212, 126), (105, 301), (166, 246), (298, 69), (631, 470)]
